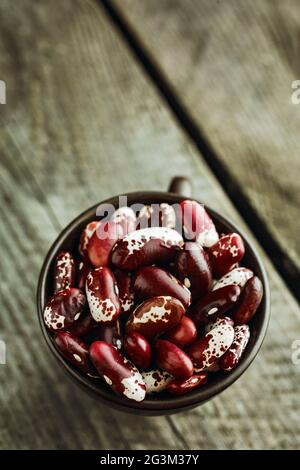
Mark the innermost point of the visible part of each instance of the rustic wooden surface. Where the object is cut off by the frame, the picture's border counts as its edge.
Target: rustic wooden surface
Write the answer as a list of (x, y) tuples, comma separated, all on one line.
[(231, 64), (83, 122)]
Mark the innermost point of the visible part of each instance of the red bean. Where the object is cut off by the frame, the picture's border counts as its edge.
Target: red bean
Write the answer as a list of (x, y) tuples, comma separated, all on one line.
[(85, 237), (64, 271), (145, 247), (126, 294), (197, 224), (238, 277), (125, 217), (156, 215), (64, 308), (249, 301), (138, 350), (109, 332), (225, 253), (156, 380), (183, 334), (181, 387), (152, 282), (117, 371), (83, 270), (102, 241), (75, 351), (83, 326), (233, 355), (173, 360), (155, 316), (192, 268), (215, 304), (212, 346), (101, 291)]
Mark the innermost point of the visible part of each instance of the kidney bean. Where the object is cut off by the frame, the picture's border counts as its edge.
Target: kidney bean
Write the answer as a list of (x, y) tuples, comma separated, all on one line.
[(238, 276), (145, 247), (125, 217), (83, 326), (83, 270), (214, 304), (64, 308), (85, 237), (102, 241), (152, 282), (64, 271), (225, 253), (138, 350), (156, 215), (155, 316), (197, 224), (173, 360), (122, 376), (75, 351), (108, 332), (183, 334), (249, 301), (208, 349), (233, 355), (101, 291), (126, 293), (192, 268), (218, 322), (156, 380), (181, 387)]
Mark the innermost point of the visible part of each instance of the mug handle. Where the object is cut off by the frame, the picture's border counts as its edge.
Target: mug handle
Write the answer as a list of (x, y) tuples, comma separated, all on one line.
[(181, 185)]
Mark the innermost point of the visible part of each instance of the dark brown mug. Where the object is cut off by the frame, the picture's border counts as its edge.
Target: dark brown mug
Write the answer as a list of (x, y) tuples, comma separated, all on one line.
[(160, 404)]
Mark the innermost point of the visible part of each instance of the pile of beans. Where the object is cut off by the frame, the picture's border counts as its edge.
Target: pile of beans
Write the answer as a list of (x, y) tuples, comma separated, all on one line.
[(147, 309)]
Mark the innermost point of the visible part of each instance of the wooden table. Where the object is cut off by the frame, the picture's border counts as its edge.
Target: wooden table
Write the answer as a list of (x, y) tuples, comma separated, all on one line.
[(88, 116)]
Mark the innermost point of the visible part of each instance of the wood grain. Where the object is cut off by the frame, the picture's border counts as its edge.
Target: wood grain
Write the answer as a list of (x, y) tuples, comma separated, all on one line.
[(82, 122), (231, 64)]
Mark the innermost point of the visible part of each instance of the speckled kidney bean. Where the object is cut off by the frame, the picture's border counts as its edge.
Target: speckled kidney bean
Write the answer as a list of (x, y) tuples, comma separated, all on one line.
[(75, 351), (102, 296), (219, 322), (145, 247), (249, 301), (83, 326), (197, 224), (214, 304), (64, 271), (122, 376), (64, 308), (138, 350), (181, 387), (109, 332), (152, 282), (233, 355), (173, 360), (82, 273), (192, 268), (100, 245), (155, 316), (85, 237), (156, 380), (183, 334), (126, 293), (238, 276), (225, 253), (162, 215), (208, 349), (125, 217)]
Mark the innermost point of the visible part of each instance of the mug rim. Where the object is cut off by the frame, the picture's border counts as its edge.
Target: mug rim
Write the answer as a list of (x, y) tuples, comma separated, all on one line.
[(150, 405)]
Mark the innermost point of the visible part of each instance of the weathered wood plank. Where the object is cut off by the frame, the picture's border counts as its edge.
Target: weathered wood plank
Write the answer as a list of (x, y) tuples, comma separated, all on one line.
[(82, 122), (232, 65)]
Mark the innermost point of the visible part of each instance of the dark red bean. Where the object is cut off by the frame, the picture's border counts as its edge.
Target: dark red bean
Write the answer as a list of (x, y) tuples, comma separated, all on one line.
[(183, 334), (102, 241), (192, 268), (138, 350), (83, 270), (125, 217), (145, 247), (249, 301), (110, 333), (125, 288), (83, 326), (233, 355), (152, 282), (64, 308), (197, 224), (85, 237), (75, 351), (64, 271), (117, 371), (224, 254), (215, 304), (101, 291), (155, 316), (181, 387), (173, 360)]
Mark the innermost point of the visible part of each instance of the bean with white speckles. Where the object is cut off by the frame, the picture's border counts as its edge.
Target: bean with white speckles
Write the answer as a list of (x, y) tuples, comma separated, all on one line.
[(238, 276), (156, 380), (249, 302), (126, 293), (219, 321), (102, 295), (125, 217), (64, 271), (63, 309), (75, 351), (85, 237), (233, 355), (225, 253), (197, 224)]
